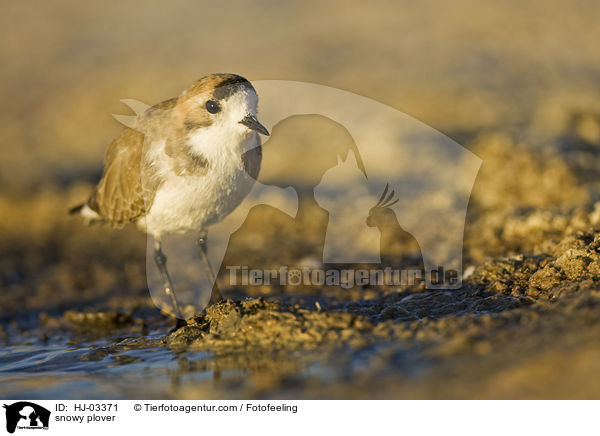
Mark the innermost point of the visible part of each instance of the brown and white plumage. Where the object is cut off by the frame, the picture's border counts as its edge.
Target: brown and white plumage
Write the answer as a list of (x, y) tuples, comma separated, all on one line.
[(185, 163), (177, 151)]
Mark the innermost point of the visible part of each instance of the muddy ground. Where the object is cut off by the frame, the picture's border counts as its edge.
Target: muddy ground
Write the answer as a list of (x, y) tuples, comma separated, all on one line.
[(516, 85), (524, 325)]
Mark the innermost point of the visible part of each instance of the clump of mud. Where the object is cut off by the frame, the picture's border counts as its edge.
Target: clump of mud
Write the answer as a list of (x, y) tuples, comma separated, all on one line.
[(571, 264), (260, 325), (575, 263)]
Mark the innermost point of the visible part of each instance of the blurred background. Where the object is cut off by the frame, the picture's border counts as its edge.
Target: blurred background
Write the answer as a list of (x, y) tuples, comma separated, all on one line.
[(516, 83), (459, 68)]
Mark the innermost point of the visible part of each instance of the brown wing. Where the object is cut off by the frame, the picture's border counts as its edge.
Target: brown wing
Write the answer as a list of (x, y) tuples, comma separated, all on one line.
[(119, 196), (122, 195)]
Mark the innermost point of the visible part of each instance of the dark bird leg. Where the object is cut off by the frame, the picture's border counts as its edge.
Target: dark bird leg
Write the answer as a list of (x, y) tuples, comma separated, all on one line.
[(215, 295), (161, 263)]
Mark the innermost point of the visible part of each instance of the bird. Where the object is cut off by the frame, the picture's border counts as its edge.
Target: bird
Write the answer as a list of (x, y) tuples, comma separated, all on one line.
[(185, 164)]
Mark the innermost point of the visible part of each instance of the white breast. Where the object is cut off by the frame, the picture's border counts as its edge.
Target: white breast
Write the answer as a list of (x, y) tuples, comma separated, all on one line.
[(193, 202)]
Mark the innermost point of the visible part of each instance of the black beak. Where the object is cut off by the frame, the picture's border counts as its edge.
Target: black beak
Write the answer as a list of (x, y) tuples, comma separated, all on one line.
[(252, 123)]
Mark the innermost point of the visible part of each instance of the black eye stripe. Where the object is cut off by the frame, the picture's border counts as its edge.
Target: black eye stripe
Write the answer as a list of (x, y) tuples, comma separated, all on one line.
[(230, 86), (212, 106)]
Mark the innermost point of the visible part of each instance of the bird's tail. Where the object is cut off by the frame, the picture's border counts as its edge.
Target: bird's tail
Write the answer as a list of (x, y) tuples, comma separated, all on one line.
[(77, 209), (89, 215)]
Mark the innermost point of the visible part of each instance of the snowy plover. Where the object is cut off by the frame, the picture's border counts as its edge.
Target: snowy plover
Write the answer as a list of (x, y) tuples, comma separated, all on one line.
[(186, 164)]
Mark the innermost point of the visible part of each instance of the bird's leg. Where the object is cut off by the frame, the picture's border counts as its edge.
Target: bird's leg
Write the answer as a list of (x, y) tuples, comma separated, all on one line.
[(215, 295), (161, 263)]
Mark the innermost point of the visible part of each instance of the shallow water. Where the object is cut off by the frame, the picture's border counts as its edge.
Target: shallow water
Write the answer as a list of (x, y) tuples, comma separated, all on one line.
[(62, 370), (58, 371)]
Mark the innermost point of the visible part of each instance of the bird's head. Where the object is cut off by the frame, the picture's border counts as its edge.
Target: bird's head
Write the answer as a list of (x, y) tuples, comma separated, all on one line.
[(220, 107)]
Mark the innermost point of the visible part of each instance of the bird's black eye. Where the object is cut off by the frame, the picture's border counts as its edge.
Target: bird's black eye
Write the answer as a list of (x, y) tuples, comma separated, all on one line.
[(212, 106)]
